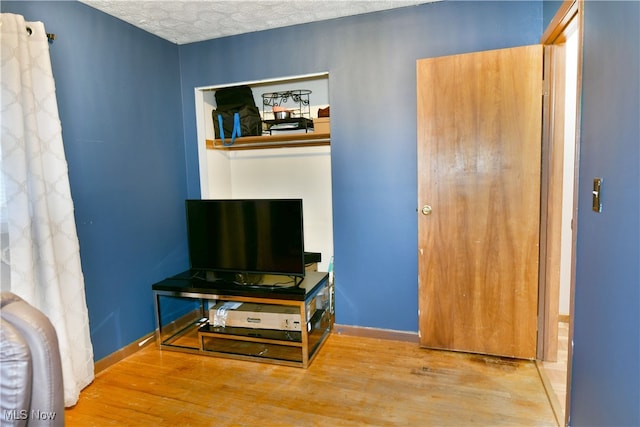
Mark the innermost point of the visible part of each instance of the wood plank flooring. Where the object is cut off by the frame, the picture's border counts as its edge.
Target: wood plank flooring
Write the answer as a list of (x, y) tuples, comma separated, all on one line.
[(354, 381), (557, 371)]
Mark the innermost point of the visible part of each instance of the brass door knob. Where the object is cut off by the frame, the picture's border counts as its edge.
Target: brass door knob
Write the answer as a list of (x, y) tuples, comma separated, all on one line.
[(426, 210)]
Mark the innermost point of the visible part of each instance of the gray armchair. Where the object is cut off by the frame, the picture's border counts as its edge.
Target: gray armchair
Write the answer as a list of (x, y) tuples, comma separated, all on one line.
[(31, 389)]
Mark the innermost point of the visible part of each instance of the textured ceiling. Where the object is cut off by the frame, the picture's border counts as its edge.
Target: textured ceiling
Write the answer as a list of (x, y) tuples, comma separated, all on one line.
[(190, 21)]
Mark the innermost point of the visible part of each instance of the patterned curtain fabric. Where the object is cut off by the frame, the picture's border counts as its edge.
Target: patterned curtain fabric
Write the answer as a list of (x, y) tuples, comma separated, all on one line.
[(40, 243)]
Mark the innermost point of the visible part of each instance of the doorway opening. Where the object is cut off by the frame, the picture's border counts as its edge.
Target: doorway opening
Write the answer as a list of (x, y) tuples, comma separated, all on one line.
[(563, 71), (557, 370)]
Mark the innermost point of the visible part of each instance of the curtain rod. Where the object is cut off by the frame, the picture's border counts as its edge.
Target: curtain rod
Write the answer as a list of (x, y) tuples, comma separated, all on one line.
[(50, 36)]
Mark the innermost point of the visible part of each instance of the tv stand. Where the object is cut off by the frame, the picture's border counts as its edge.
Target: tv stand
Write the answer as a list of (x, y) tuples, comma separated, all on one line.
[(285, 325)]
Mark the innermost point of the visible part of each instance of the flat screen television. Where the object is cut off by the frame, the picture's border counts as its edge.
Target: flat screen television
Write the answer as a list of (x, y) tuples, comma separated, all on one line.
[(233, 239)]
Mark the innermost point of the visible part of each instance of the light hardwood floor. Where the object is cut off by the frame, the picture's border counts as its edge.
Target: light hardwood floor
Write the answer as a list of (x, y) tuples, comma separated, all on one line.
[(556, 372), (354, 381)]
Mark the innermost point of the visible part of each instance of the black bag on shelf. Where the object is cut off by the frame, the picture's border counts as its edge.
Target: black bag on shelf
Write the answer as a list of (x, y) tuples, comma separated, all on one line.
[(235, 95), (234, 121), (236, 114)]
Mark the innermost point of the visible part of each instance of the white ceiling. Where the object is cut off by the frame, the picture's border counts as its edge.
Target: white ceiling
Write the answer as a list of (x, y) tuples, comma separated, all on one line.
[(187, 21)]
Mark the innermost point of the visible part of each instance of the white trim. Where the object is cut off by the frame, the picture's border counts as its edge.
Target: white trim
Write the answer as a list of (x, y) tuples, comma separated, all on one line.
[(264, 81)]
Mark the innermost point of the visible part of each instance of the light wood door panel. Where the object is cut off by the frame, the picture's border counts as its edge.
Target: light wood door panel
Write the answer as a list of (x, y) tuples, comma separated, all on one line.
[(479, 154)]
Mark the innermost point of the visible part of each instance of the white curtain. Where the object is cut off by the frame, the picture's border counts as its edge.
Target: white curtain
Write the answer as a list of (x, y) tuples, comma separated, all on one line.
[(41, 254)]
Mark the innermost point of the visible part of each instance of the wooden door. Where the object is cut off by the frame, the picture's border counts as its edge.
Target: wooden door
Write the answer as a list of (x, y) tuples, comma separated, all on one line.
[(479, 154)]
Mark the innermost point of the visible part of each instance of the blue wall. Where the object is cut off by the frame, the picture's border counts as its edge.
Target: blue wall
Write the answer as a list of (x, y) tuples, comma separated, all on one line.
[(371, 60), (605, 388), (119, 101)]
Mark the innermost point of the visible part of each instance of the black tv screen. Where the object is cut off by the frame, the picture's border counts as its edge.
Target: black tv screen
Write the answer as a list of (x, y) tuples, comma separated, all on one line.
[(260, 236)]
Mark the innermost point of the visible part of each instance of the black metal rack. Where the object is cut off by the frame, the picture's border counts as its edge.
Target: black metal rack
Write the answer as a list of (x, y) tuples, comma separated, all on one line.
[(296, 102)]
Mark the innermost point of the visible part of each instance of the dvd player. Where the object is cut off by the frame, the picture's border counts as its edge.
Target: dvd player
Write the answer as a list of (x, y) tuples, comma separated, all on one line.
[(258, 316)]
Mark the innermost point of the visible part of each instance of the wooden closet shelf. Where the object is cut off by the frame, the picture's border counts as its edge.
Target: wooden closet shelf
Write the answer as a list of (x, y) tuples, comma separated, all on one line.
[(310, 139)]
